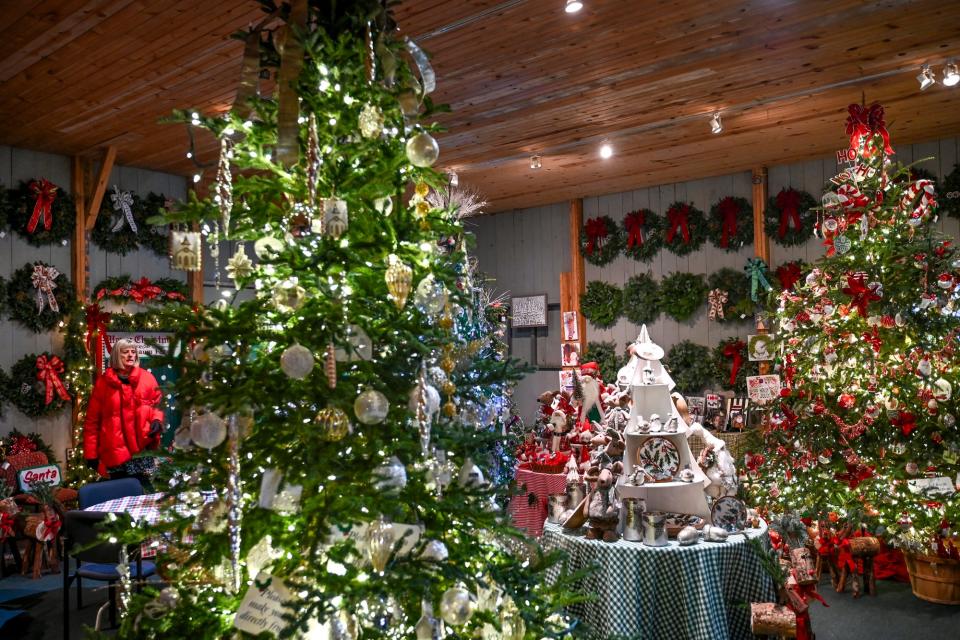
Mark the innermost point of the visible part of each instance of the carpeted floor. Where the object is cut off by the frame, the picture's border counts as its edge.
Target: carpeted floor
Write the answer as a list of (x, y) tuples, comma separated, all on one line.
[(32, 610)]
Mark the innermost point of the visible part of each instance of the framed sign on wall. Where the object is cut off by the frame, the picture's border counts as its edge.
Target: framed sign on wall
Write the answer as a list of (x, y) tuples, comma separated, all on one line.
[(529, 311)]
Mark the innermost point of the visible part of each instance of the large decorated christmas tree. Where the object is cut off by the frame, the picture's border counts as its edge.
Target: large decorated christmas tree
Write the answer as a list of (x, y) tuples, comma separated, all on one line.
[(333, 470), (867, 433)]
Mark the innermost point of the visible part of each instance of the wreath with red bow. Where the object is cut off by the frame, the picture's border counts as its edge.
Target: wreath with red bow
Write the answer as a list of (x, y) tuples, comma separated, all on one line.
[(601, 239), (37, 385), (41, 212), (790, 273), (789, 217), (124, 290), (731, 223), (24, 299), (684, 229), (643, 230), (732, 366)]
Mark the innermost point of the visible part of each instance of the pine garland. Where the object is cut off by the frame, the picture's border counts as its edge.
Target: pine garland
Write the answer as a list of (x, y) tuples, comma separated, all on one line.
[(125, 239), (773, 222), (641, 299), (602, 304), (605, 249), (22, 300), (681, 294), (743, 234), (691, 366), (171, 289), (739, 306), (651, 232), (605, 355), (20, 209), (673, 237), (28, 394)]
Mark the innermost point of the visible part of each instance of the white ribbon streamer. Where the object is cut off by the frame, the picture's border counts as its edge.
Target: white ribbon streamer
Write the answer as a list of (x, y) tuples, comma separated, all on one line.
[(123, 201)]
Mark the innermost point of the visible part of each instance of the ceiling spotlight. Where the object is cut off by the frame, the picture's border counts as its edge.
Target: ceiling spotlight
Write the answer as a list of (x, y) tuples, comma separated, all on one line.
[(716, 126), (573, 6), (535, 162), (926, 78), (606, 150), (951, 75)]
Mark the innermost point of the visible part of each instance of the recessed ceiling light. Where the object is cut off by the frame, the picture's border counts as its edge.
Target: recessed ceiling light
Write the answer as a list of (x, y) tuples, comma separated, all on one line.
[(951, 75), (573, 6), (535, 162), (606, 150), (716, 126), (926, 78)]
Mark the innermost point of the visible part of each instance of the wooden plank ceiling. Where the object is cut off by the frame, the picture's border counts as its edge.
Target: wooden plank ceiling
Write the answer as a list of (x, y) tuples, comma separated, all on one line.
[(522, 77)]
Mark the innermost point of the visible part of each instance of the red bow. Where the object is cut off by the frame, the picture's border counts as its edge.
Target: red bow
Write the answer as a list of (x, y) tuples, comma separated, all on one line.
[(677, 218), (596, 232), (97, 322), (906, 421), (875, 120), (788, 201), (788, 274), (52, 526), (45, 192), (860, 295), (6, 525), (634, 224), (734, 350), (864, 122), (873, 337), (790, 418), (855, 474), (49, 371), (798, 599), (728, 210), (143, 289)]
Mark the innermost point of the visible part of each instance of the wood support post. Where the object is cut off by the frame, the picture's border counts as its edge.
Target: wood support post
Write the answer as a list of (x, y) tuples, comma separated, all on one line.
[(761, 243), (93, 208), (78, 249), (577, 286)]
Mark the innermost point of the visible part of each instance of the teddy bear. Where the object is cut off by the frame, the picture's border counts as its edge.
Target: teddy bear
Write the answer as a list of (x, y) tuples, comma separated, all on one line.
[(601, 508)]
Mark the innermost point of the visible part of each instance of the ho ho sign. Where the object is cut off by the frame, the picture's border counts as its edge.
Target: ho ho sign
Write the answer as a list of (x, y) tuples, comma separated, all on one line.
[(45, 473)]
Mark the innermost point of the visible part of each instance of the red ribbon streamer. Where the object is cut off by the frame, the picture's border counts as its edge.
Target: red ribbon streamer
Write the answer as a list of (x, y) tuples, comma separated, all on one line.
[(860, 295), (788, 274), (97, 322), (596, 232), (49, 371), (788, 201), (45, 193), (735, 350), (634, 224), (728, 210), (678, 219)]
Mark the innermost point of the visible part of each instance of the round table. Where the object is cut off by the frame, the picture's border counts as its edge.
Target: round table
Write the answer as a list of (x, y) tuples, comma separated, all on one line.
[(664, 593), (528, 510)]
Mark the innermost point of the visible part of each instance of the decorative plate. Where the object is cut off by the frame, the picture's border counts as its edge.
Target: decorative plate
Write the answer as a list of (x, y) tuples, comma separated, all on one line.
[(730, 514), (659, 457)]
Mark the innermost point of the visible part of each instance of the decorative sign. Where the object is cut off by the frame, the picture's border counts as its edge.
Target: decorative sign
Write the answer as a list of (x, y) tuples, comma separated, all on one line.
[(529, 311), (570, 354), (45, 473), (149, 343), (763, 390), (932, 486), (571, 328), (263, 609), (760, 347), (566, 381), (186, 251)]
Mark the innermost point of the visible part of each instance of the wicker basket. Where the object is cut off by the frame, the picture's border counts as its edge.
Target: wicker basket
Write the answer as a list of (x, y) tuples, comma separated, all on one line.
[(736, 442), (934, 579)]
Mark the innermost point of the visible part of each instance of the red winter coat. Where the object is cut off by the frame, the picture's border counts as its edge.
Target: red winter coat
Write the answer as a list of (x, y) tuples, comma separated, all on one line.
[(119, 417)]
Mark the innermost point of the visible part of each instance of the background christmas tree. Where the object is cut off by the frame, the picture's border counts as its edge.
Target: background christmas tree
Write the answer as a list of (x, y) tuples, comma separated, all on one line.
[(357, 391), (870, 361)]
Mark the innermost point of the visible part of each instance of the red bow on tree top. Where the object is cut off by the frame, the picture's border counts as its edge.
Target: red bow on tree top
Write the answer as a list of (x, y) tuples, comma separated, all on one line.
[(678, 219), (634, 224), (788, 201), (596, 232), (45, 192), (860, 295), (864, 122)]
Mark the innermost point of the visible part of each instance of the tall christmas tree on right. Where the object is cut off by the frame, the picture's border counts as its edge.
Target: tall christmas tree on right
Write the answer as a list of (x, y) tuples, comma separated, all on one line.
[(867, 430)]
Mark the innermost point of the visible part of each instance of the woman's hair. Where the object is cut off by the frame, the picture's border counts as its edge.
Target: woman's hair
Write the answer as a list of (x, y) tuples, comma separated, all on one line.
[(118, 348)]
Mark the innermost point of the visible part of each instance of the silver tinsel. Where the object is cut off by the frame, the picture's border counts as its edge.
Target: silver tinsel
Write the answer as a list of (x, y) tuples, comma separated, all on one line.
[(233, 499), (224, 185)]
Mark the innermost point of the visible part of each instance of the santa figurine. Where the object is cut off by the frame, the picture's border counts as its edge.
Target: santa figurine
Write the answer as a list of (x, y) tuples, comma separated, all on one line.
[(586, 393)]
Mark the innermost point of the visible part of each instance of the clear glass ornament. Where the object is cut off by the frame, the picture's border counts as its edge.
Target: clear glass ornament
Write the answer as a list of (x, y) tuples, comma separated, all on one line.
[(422, 150), (430, 296), (398, 277), (288, 296), (379, 541), (456, 606), (208, 430), (427, 627), (371, 407), (390, 475), (297, 361)]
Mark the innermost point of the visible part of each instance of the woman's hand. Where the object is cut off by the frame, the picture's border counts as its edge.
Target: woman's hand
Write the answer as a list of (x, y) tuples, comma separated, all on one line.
[(156, 430)]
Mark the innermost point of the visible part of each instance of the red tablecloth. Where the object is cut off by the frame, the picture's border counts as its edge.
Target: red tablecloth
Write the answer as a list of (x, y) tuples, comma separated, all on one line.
[(529, 511)]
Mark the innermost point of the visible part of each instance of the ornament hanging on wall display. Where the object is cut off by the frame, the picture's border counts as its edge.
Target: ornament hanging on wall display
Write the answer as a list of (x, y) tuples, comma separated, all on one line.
[(186, 253), (371, 407), (336, 218), (333, 423), (297, 361), (430, 296), (399, 278), (208, 430), (456, 606)]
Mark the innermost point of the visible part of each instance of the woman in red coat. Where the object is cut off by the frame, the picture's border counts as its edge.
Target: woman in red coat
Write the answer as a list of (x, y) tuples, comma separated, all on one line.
[(123, 415)]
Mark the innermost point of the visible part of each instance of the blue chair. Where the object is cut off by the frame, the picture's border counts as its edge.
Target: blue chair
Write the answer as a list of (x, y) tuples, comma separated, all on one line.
[(95, 561), (97, 492)]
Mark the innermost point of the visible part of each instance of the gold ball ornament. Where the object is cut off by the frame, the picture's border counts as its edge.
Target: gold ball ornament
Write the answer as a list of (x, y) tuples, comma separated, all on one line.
[(399, 278), (449, 388), (422, 150), (447, 363), (296, 361), (371, 121), (450, 409), (446, 322), (422, 190), (333, 423)]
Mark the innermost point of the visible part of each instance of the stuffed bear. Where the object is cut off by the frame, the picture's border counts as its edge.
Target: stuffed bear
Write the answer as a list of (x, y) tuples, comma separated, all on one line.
[(601, 509)]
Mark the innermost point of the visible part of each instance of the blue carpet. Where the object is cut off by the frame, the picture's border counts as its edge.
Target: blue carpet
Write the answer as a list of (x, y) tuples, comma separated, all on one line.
[(9, 614), (13, 587)]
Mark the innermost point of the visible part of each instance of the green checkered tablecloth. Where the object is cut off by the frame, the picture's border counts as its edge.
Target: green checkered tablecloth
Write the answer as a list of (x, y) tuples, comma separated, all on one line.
[(665, 593)]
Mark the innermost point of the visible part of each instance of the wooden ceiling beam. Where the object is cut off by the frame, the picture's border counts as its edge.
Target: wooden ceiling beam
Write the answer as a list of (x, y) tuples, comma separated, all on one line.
[(93, 208)]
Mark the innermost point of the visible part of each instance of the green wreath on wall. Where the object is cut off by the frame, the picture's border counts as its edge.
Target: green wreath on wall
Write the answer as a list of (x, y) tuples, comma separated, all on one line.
[(112, 231), (681, 294), (684, 228), (691, 366), (643, 233), (22, 202), (28, 393), (723, 365), (605, 355), (152, 236), (790, 216), (731, 223), (602, 304), (24, 299), (601, 240), (739, 306), (641, 299)]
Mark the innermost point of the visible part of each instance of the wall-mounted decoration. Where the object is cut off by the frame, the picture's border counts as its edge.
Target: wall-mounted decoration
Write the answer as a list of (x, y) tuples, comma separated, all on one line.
[(571, 326), (529, 311), (731, 223)]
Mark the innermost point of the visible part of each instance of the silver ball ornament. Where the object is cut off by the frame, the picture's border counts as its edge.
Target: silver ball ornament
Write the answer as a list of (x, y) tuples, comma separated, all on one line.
[(371, 407), (208, 430), (422, 150), (456, 606), (430, 296), (297, 361)]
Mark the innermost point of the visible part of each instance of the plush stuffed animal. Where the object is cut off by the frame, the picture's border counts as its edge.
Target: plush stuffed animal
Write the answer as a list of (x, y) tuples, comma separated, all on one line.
[(602, 510)]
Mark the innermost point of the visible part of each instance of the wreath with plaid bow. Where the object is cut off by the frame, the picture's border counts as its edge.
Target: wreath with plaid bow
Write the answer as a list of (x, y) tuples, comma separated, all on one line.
[(37, 385), (31, 306)]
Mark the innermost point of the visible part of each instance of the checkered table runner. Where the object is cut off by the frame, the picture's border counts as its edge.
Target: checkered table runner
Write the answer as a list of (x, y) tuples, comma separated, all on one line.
[(664, 593), (144, 508), (529, 509)]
